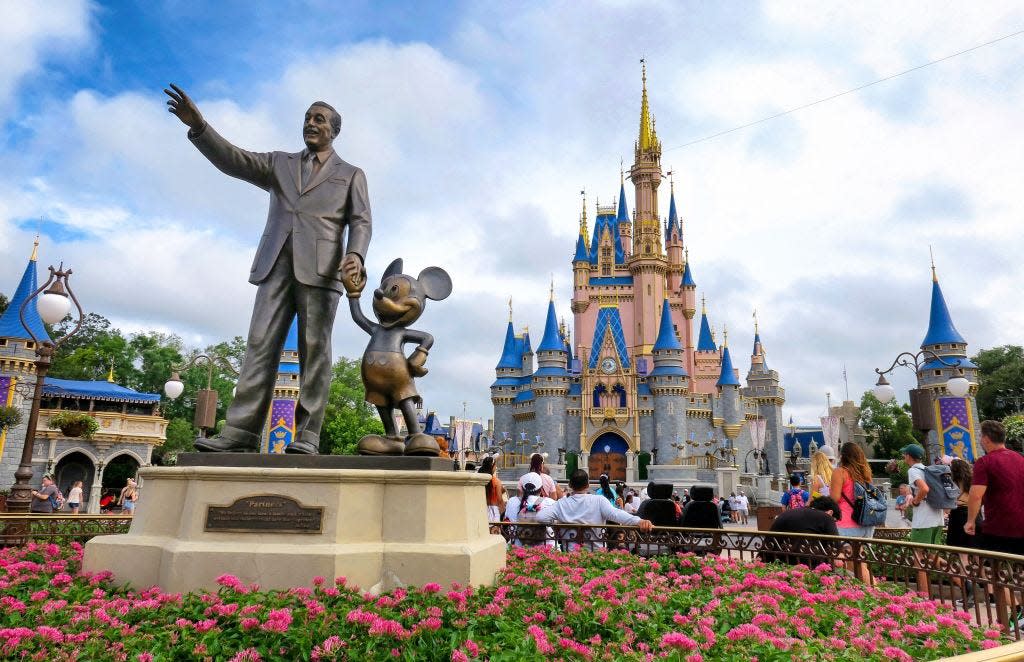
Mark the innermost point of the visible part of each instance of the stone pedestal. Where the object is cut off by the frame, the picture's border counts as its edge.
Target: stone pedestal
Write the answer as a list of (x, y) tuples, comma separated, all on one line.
[(378, 528), (728, 480)]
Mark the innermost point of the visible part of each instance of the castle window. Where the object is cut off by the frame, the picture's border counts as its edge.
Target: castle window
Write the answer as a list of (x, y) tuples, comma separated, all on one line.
[(938, 373), (295, 378), (606, 271), (3, 342), (29, 345), (648, 289)]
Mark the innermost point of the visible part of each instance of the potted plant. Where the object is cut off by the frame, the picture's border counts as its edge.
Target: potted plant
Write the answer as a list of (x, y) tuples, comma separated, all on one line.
[(74, 424), (9, 417)]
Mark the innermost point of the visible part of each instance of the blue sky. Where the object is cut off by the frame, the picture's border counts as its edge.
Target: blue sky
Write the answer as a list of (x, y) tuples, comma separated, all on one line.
[(478, 124)]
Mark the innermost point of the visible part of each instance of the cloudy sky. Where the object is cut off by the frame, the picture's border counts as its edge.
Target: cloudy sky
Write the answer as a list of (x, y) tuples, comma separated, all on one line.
[(477, 125)]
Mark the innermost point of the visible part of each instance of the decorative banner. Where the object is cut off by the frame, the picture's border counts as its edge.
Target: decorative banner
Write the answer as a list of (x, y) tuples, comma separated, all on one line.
[(758, 432), (464, 434), (282, 425), (956, 427), (830, 430), (7, 397)]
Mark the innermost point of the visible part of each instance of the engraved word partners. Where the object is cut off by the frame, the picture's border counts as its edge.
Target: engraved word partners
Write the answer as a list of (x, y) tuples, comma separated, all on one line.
[(265, 513)]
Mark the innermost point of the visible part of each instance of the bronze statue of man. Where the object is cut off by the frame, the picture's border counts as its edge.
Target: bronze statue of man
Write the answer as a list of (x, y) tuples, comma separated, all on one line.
[(300, 263)]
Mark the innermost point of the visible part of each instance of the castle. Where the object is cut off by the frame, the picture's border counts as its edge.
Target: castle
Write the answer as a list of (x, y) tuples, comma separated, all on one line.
[(631, 391)]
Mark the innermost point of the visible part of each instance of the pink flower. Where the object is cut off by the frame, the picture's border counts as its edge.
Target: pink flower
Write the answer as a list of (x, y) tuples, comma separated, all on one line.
[(278, 620), (144, 657), (432, 587), (247, 655), (678, 640), (459, 656)]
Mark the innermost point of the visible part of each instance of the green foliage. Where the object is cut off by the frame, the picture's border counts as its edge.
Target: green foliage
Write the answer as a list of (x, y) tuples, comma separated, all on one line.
[(999, 369), (348, 417), (67, 420), (4, 302), (9, 417), (180, 439), (889, 424), (1014, 427)]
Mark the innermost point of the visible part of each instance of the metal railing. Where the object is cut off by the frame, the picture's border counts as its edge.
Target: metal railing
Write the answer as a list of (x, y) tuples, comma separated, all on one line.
[(988, 585), (18, 529)]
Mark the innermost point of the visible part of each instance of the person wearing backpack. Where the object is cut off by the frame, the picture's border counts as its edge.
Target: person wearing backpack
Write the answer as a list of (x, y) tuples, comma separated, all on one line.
[(527, 507), (795, 497), (850, 480), (928, 519), (44, 500)]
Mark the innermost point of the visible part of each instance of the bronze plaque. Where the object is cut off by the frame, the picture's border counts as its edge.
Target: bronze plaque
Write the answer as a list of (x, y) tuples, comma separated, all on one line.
[(265, 513)]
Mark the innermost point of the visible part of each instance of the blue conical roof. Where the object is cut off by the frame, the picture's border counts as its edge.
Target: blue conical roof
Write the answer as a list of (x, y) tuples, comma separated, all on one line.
[(552, 340), (757, 344), (705, 343), (728, 375), (509, 356), (10, 321), (666, 334), (940, 324), (291, 343), (581, 250), (688, 277), (623, 213), (673, 219)]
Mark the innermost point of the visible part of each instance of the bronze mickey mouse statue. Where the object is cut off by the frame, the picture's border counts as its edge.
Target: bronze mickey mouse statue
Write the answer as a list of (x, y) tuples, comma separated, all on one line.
[(387, 373)]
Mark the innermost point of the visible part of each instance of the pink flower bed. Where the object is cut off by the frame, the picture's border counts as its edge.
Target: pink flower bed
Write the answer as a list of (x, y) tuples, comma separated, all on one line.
[(608, 606)]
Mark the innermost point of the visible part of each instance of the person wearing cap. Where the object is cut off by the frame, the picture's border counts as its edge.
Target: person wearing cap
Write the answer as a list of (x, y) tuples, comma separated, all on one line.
[(532, 498), (927, 524)]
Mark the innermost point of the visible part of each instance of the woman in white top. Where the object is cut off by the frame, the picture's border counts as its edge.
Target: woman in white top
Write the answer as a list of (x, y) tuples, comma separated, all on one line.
[(534, 499), (75, 497), (821, 475)]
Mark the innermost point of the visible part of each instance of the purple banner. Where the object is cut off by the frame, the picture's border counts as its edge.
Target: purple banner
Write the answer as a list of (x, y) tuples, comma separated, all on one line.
[(282, 425), (956, 427)]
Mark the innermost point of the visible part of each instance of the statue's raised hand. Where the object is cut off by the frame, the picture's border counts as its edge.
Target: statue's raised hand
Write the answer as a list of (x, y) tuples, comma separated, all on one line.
[(182, 105)]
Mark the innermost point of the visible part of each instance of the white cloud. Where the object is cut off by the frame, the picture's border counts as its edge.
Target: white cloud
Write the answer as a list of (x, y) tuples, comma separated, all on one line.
[(31, 33)]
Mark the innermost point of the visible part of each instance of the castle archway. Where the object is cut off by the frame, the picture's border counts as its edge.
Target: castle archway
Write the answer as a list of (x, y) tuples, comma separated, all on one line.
[(608, 456), (73, 467)]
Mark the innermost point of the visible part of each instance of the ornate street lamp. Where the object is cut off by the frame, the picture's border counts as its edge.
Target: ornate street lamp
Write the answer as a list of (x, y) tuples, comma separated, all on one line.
[(958, 386), (206, 399), (53, 302)]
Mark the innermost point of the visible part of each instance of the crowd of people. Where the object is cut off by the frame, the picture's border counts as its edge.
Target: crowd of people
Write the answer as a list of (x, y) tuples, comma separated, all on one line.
[(49, 499)]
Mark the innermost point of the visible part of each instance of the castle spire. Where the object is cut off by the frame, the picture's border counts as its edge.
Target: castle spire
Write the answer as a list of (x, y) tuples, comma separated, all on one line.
[(10, 321), (706, 340), (35, 250), (666, 334), (673, 218), (509, 356), (551, 341), (646, 139), (622, 213), (727, 377), (940, 323)]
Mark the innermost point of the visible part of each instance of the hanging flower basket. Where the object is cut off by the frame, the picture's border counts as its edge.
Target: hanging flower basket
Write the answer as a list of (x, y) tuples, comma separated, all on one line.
[(74, 424)]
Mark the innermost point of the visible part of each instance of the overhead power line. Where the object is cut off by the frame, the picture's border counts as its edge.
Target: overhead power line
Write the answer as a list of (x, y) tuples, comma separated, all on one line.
[(850, 91)]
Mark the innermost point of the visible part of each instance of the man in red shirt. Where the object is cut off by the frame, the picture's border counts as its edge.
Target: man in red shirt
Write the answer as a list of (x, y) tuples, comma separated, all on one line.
[(998, 484)]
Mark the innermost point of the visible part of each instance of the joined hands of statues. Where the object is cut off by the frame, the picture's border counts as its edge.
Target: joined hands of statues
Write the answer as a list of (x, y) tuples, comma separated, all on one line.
[(181, 105), (353, 275)]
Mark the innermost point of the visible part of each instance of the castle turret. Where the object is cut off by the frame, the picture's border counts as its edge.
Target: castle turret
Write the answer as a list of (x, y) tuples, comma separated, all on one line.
[(508, 381), (551, 383), (668, 382), (763, 388), (953, 430), (18, 366), (647, 264), (622, 219), (280, 428), (674, 243), (581, 260), (729, 393), (707, 362)]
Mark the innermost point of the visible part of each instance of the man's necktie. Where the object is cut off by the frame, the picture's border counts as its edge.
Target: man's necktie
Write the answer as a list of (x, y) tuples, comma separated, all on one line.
[(310, 166)]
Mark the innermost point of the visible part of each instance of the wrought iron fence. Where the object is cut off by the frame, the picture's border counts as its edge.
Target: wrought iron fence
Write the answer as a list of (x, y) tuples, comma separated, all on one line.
[(988, 585), (19, 529)]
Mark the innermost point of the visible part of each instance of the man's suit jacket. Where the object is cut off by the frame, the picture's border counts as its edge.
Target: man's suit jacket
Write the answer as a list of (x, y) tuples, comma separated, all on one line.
[(315, 217)]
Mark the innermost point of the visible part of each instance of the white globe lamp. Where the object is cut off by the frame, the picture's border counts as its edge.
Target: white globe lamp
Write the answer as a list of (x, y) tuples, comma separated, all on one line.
[(883, 390), (174, 386), (53, 306), (958, 386)]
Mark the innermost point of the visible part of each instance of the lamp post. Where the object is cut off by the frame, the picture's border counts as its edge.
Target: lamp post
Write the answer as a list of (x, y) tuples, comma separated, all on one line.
[(679, 450), (206, 399), (958, 386), (53, 302), (607, 460)]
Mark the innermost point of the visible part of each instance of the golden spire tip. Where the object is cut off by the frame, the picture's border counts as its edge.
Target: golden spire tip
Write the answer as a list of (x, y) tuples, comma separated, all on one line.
[(35, 249), (510, 309), (935, 277)]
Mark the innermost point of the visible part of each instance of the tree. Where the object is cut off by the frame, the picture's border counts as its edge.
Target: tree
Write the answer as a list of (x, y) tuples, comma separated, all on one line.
[(4, 302), (180, 439), (889, 424), (348, 416), (999, 369)]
